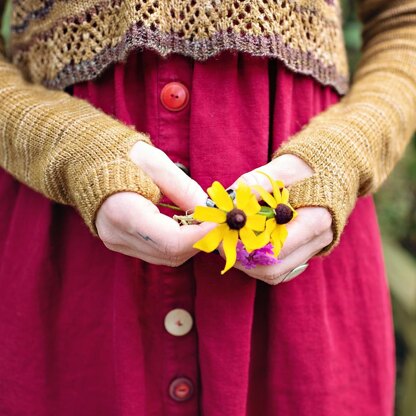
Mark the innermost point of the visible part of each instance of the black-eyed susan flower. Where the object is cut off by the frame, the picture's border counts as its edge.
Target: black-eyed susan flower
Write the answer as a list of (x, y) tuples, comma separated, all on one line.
[(236, 219), (282, 212)]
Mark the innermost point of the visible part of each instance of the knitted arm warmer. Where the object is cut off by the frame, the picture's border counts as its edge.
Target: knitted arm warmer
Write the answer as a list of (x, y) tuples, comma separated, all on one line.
[(354, 145), (64, 148)]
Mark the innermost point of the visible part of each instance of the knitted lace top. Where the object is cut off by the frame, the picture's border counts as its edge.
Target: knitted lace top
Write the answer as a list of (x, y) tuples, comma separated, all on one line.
[(75, 154), (62, 42)]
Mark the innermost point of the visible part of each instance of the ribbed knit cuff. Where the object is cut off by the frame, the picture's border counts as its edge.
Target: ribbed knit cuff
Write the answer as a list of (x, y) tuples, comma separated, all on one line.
[(96, 185), (66, 149), (331, 186)]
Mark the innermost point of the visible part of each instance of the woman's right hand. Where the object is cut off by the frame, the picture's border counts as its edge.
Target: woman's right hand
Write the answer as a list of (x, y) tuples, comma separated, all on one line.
[(130, 224)]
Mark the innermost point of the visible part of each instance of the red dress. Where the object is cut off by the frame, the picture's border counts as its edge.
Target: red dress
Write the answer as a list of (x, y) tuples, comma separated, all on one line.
[(82, 328)]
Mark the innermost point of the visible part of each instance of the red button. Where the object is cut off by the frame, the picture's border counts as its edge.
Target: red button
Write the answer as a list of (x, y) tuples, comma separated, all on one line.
[(174, 96), (181, 389)]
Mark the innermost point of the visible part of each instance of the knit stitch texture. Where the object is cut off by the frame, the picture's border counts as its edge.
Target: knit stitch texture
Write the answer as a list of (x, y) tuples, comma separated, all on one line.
[(66, 149), (355, 144), (59, 43), (77, 155)]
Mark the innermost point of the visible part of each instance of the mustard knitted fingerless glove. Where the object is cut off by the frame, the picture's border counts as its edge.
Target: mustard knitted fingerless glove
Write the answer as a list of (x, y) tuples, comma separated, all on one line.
[(354, 145), (66, 149)]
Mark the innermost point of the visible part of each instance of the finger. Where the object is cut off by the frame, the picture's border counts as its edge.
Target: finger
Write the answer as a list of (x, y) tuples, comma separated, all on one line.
[(296, 260), (146, 250), (310, 224), (172, 250), (275, 274), (148, 258), (173, 182), (286, 168), (128, 219), (289, 262), (160, 236)]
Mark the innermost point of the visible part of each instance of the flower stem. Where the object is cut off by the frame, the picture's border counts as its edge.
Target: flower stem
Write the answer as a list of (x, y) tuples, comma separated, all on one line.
[(267, 212), (174, 207), (185, 219)]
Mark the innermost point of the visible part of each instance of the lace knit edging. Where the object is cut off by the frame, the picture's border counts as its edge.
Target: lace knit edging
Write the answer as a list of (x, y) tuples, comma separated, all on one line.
[(165, 44)]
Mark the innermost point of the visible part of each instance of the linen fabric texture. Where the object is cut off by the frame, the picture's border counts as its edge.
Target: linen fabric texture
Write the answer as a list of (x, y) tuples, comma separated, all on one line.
[(82, 327)]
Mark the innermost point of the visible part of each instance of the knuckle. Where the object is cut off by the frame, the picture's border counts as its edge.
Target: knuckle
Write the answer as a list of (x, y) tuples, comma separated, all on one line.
[(249, 178), (175, 261), (320, 221), (292, 244), (107, 237), (326, 218), (111, 214), (327, 238), (111, 246), (273, 282), (171, 249), (272, 279)]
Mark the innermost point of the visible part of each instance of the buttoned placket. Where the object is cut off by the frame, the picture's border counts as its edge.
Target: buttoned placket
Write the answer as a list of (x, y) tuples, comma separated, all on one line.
[(180, 377)]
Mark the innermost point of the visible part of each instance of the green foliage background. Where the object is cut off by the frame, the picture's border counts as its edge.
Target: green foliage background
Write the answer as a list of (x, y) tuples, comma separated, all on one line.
[(396, 209), (396, 202)]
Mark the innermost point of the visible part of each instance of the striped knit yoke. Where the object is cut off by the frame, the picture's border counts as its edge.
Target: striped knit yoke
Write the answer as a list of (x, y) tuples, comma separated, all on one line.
[(59, 43)]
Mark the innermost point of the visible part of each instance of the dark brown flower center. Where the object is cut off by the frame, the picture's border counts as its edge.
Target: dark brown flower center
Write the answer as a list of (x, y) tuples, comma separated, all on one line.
[(283, 214), (236, 219)]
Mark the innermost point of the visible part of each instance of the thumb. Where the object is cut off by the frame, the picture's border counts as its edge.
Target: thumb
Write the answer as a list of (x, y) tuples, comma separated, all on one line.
[(172, 181), (287, 168)]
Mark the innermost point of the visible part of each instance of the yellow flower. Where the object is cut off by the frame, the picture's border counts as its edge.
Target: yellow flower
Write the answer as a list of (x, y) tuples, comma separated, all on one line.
[(283, 212), (236, 220)]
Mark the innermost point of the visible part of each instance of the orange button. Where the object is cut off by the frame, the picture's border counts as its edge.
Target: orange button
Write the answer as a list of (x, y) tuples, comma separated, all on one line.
[(174, 96), (181, 389)]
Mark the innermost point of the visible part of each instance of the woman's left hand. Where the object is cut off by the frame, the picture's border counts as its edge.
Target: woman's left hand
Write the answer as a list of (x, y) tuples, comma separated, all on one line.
[(308, 234)]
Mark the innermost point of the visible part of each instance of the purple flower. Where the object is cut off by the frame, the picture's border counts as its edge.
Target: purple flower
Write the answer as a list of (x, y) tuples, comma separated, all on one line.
[(263, 256)]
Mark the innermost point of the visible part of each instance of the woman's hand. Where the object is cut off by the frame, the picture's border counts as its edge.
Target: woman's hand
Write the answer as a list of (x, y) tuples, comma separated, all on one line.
[(308, 234), (130, 224)]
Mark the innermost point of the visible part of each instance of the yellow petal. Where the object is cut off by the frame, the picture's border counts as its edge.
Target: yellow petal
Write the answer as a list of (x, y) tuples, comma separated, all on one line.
[(252, 207), (280, 233), (277, 196), (270, 225), (248, 238), (256, 222), (276, 185), (277, 247), (252, 241), (285, 196), (220, 197), (211, 240), (295, 213), (209, 214), (230, 249), (265, 196), (243, 194)]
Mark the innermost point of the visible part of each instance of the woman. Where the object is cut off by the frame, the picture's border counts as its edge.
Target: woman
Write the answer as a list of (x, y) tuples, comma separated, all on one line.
[(213, 90)]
